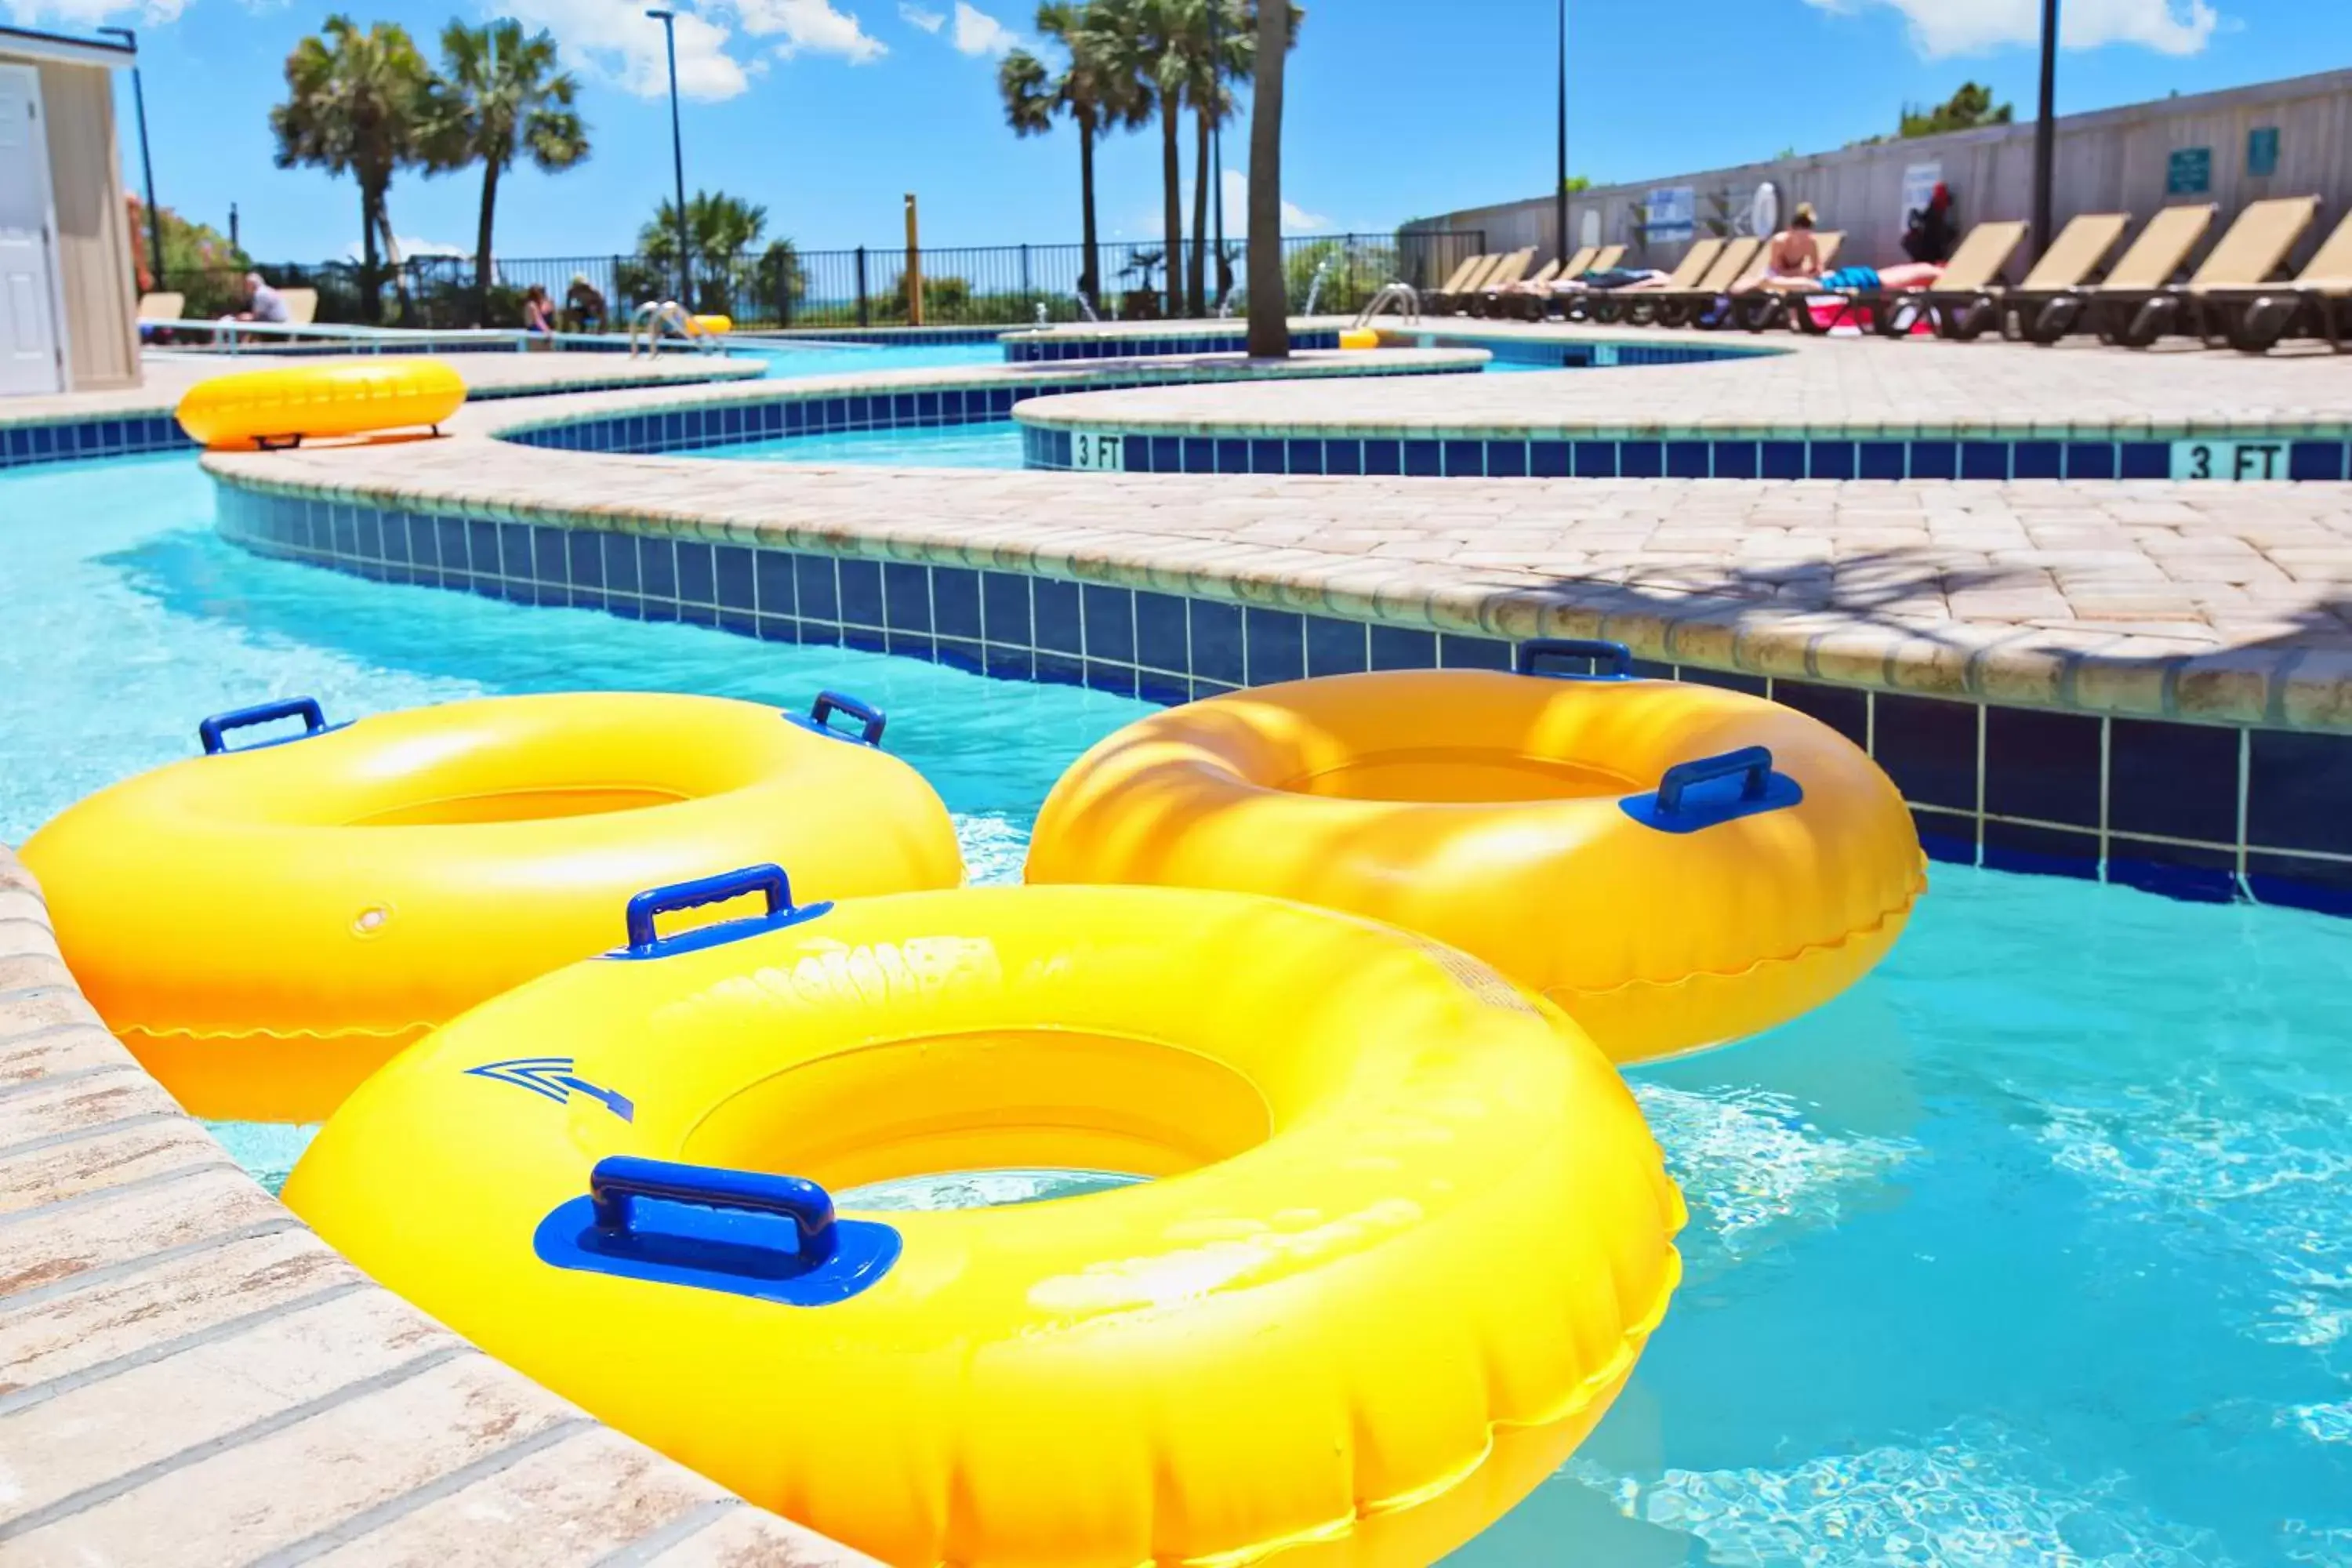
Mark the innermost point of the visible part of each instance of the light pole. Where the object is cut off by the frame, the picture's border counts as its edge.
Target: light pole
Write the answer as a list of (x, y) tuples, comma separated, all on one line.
[(1217, 137), (669, 19), (146, 157), (1559, 199), (2045, 128)]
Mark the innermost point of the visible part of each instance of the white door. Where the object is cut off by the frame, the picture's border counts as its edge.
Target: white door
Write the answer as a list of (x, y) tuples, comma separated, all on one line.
[(28, 323)]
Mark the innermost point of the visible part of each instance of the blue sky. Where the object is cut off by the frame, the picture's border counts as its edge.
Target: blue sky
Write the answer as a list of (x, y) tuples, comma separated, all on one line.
[(825, 110)]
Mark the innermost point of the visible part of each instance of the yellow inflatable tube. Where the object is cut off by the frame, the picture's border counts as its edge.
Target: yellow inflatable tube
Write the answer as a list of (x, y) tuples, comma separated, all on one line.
[(270, 408), (1409, 1233), (712, 326), (1359, 338), (1675, 865), (266, 925)]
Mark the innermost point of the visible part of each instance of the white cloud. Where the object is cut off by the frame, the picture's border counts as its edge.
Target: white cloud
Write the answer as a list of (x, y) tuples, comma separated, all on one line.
[(809, 26), (916, 17), (412, 248), (978, 33), (84, 14), (1296, 219), (1940, 27), (616, 41)]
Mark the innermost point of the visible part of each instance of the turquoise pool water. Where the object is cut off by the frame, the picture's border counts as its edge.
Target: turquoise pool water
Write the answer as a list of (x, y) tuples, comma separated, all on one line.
[(2034, 1249), (840, 359), (990, 444)]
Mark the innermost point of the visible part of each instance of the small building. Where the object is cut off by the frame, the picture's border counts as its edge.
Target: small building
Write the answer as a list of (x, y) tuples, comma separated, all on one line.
[(68, 291)]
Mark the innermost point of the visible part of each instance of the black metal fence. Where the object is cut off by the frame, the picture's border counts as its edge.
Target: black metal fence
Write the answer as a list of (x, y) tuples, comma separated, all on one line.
[(782, 287)]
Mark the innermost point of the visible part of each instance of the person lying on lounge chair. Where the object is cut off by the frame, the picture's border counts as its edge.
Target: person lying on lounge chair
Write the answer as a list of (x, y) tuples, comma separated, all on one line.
[(1860, 280)]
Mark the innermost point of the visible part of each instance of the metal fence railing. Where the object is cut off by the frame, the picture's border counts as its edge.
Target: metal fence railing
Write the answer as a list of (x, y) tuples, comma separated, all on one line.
[(782, 286)]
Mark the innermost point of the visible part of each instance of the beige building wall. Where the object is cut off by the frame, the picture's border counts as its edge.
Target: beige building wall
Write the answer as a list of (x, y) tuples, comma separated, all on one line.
[(94, 238)]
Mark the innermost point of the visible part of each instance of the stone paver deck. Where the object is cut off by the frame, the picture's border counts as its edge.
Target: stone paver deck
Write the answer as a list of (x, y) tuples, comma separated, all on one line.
[(2227, 604), (189, 1375)]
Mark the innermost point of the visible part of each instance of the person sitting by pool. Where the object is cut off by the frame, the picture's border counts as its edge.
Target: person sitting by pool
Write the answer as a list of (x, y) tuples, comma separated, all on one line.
[(538, 313), (584, 305), (1794, 253), (261, 303), (1860, 280)]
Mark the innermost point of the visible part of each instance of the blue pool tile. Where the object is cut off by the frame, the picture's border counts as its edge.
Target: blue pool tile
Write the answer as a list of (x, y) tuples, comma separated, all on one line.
[(772, 573), (1842, 707), (2315, 460), (1200, 454), (907, 645), (450, 546), (2173, 781), (1056, 669), (1984, 459), (1688, 460), (2205, 874), (346, 532), (1935, 460), (2040, 851), (2298, 882), (1167, 455), (2091, 461), (815, 586), (1641, 459), (1204, 689), (1277, 645), (1110, 623), (1726, 679), (955, 602), (657, 567), (1233, 455), (1168, 690), (1462, 459), (733, 563), (697, 579), (371, 546), (1424, 459), (958, 654), (1059, 629), (1830, 460), (1782, 460), (1458, 651), (865, 639), (1343, 456), (1549, 460), (2042, 764), (779, 629), (1004, 608), (584, 565), (926, 407), (1216, 637), (2297, 785), (861, 593), (1881, 461), (1928, 747), (699, 615), (2032, 460), (1403, 647), (1304, 456), (1118, 679), (1267, 457), (819, 634), (1336, 646), (1160, 631), (1136, 454), (2145, 460), (1383, 456), (1009, 663), (906, 596), (1596, 459), (735, 622), (1949, 836)]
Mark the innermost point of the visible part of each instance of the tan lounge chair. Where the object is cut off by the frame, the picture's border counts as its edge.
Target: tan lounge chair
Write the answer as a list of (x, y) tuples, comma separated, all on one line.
[(162, 307), (2070, 259), (301, 306), (1469, 269), (1488, 302), (2148, 263), (1894, 313), (2248, 256), (1679, 308), (1485, 268), (1610, 257), (1606, 305), (1754, 307), (2317, 304)]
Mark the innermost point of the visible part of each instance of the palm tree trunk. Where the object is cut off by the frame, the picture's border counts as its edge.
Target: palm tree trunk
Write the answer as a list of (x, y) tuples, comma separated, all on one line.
[(1171, 179), (482, 242), (371, 284), (1269, 306), (1090, 276), (1196, 261)]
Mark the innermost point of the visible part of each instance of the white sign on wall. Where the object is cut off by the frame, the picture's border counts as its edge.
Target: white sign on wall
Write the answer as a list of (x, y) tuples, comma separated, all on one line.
[(1672, 214)]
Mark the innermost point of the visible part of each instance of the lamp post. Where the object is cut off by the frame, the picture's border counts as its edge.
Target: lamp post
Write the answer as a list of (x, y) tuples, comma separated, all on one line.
[(2046, 128), (1217, 138), (146, 157), (1560, 187), (669, 19)]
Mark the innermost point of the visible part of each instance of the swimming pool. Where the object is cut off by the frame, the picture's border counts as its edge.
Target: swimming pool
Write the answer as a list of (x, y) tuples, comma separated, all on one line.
[(787, 361), (989, 444), (2037, 1246)]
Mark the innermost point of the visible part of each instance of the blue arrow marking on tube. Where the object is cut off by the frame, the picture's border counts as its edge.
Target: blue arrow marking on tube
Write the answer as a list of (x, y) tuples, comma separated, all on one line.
[(552, 1079)]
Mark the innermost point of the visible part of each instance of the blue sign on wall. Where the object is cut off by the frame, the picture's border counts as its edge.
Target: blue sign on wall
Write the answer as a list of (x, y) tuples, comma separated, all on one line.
[(2262, 150), (2188, 172)]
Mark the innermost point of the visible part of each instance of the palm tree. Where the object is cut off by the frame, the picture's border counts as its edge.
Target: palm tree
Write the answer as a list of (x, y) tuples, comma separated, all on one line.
[(718, 230), (1140, 46), (355, 104), (1084, 92), (499, 94), (1217, 45), (1269, 301)]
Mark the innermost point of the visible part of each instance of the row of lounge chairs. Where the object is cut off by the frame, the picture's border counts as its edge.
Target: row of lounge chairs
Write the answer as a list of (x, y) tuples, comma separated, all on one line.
[(2231, 297)]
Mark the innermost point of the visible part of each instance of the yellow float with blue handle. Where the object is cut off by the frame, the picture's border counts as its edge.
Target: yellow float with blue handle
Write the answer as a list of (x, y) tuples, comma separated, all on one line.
[(265, 925), (271, 408), (1407, 1236), (1674, 864)]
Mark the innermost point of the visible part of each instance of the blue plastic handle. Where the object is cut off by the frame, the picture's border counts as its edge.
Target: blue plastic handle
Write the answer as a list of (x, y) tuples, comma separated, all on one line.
[(768, 879), (1533, 654), (619, 1179), (828, 703), (1751, 765), (213, 732)]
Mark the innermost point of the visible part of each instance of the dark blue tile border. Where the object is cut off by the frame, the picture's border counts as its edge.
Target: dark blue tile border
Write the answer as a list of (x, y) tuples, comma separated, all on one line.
[(2187, 811), (79, 441)]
